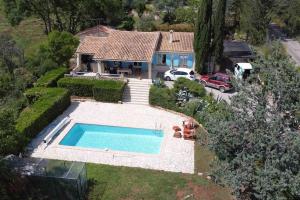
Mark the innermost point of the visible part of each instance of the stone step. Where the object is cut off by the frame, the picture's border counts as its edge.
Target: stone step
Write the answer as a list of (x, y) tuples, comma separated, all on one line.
[(136, 102), (136, 92), (135, 99), (137, 86)]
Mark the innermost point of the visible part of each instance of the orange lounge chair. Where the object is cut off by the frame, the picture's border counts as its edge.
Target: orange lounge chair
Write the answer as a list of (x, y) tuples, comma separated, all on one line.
[(176, 128)]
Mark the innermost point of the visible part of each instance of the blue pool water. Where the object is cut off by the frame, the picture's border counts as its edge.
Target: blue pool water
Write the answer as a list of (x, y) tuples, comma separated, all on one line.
[(114, 138)]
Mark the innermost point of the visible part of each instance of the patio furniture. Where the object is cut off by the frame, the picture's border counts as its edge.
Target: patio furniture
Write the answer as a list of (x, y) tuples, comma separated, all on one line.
[(177, 134), (176, 128), (127, 71)]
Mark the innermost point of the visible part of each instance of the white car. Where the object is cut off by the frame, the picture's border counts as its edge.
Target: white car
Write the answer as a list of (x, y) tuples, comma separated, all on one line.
[(242, 70), (174, 74)]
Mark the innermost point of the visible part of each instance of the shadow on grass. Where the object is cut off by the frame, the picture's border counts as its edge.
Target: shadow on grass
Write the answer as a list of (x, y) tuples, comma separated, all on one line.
[(96, 189)]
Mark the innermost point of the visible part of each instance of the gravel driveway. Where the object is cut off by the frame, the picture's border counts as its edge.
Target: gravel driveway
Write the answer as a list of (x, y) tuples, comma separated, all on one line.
[(293, 49)]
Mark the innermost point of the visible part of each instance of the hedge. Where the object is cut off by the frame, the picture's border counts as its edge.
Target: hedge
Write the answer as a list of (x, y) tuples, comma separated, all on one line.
[(108, 91), (194, 87), (47, 104), (162, 97), (50, 78), (101, 90)]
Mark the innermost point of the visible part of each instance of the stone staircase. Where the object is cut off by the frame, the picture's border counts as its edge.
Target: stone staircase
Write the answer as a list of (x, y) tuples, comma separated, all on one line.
[(137, 91)]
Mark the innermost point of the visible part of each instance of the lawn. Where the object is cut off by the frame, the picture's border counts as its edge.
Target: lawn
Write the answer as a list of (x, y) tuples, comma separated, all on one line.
[(112, 183), (28, 34)]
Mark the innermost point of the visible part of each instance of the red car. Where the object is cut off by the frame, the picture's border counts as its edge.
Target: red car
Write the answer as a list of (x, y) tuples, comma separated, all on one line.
[(219, 81)]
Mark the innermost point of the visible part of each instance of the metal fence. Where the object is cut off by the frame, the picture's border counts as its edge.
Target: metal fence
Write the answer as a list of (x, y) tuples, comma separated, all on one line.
[(50, 179)]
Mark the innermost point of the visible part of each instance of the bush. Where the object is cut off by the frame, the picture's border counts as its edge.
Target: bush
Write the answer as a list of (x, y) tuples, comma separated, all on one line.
[(108, 91), (195, 88), (163, 97), (77, 86), (50, 78), (101, 90), (175, 27), (47, 104)]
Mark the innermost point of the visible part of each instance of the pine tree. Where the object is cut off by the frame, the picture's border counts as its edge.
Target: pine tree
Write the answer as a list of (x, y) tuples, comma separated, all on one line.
[(218, 30), (202, 38)]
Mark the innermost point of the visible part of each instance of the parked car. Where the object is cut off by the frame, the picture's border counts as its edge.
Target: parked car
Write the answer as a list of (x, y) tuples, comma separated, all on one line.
[(242, 70), (219, 81), (174, 74)]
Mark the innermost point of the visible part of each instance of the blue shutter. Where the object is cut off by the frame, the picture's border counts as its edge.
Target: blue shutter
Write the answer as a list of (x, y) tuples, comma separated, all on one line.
[(176, 60), (154, 59), (190, 61), (168, 60)]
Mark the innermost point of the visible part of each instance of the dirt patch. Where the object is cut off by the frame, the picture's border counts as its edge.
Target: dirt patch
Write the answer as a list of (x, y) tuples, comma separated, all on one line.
[(200, 192)]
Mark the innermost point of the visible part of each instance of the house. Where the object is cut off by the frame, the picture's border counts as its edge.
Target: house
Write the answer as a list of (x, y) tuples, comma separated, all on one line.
[(132, 52)]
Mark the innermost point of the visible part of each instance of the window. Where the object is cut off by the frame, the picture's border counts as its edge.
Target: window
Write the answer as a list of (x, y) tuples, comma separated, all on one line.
[(213, 78), (137, 64), (183, 60), (181, 73)]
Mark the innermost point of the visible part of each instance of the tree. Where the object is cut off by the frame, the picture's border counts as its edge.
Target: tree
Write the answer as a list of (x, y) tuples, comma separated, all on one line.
[(9, 138), (67, 15), (218, 30), (287, 13), (56, 51), (202, 38), (255, 18), (257, 141), (146, 23), (11, 56)]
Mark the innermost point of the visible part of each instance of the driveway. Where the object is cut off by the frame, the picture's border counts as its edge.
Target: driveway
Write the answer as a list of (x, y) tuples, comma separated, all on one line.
[(216, 93), (219, 95), (293, 49)]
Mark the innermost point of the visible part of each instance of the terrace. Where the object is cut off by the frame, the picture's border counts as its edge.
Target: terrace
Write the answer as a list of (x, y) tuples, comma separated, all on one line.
[(176, 155)]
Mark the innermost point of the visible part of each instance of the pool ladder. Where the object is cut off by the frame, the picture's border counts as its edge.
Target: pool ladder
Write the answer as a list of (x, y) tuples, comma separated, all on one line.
[(158, 128)]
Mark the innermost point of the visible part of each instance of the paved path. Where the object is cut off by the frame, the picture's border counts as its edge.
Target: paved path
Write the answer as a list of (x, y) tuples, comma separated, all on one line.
[(219, 95), (293, 49)]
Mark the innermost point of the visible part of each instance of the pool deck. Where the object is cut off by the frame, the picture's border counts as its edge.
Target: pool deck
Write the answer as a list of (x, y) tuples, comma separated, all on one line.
[(176, 155)]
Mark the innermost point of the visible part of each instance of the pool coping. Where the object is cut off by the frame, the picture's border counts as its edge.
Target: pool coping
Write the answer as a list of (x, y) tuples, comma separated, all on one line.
[(65, 130), (176, 155)]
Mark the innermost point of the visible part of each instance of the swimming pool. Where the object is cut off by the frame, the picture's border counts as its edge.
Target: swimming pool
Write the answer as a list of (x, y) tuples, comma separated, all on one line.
[(114, 138)]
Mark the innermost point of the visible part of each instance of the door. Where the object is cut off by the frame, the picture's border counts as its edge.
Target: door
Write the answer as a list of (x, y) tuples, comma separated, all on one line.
[(162, 59)]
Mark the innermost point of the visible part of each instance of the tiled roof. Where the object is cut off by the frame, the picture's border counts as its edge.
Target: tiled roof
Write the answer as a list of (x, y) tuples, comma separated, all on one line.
[(182, 42), (91, 45), (129, 45), (97, 31), (134, 46)]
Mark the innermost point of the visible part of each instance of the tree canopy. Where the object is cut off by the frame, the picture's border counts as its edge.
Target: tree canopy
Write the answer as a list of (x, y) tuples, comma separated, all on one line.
[(256, 137)]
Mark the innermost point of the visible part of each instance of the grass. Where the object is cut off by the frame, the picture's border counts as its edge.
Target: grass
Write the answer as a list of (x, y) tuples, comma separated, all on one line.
[(28, 34), (111, 182)]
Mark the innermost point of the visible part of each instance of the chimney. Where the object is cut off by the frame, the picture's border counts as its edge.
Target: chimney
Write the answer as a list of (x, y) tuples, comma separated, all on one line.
[(171, 39)]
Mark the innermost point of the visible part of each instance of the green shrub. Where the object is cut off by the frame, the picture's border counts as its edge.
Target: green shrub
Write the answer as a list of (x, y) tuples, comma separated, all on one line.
[(108, 91), (101, 90), (175, 27), (195, 88), (50, 78), (78, 86), (163, 97), (47, 104)]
